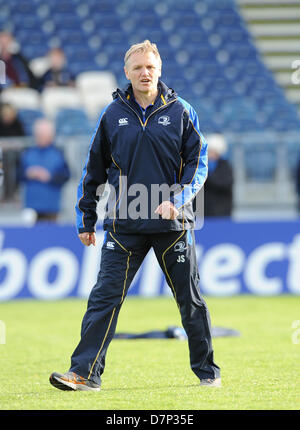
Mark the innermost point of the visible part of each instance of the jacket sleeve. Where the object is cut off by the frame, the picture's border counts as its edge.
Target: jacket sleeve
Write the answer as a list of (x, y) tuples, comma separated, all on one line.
[(94, 174), (194, 157)]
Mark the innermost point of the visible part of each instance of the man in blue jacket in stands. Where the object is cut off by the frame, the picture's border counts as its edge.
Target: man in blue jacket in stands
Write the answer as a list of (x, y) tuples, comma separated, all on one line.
[(43, 171), (146, 138)]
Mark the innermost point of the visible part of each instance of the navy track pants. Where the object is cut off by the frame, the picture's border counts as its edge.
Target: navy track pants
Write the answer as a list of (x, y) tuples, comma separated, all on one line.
[(122, 255)]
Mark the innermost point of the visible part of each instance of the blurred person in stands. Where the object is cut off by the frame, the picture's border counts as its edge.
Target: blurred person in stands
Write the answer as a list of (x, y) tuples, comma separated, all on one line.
[(219, 183), (18, 72), (10, 126), (57, 73), (1, 169), (44, 171)]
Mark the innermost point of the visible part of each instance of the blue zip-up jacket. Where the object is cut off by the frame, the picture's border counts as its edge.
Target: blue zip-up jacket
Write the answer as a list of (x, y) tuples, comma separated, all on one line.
[(137, 151), (44, 197)]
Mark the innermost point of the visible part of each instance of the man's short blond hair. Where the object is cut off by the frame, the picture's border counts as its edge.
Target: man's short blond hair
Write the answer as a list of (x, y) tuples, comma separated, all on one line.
[(143, 47)]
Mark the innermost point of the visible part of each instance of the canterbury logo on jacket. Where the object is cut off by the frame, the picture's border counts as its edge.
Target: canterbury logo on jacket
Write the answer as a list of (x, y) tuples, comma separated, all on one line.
[(160, 145)]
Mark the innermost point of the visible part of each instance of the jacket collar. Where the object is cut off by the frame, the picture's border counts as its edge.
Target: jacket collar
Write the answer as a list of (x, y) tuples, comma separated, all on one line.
[(165, 94)]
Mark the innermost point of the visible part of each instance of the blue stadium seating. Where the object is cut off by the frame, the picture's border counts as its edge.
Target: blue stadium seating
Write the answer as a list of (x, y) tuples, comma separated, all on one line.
[(28, 117), (261, 164), (72, 121)]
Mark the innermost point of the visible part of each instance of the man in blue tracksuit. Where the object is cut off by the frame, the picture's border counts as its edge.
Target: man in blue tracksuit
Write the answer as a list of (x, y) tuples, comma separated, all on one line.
[(147, 139), (43, 171)]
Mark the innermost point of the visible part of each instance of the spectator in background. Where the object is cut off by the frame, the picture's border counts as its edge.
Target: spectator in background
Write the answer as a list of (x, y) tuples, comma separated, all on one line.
[(1, 169), (18, 72), (10, 126), (219, 183), (44, 171), (58, 73)]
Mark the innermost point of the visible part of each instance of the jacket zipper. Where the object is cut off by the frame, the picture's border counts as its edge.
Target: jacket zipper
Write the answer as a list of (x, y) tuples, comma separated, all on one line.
[(152, 113), (141, 122)]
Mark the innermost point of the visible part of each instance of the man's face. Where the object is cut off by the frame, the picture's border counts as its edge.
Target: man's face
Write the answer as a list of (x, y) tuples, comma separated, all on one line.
[(6, 41), (44, 134), (143, 71), (213, 155), (57, 59)]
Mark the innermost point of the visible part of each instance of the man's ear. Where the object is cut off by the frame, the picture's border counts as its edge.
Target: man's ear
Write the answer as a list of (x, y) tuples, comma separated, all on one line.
[(126, 73)]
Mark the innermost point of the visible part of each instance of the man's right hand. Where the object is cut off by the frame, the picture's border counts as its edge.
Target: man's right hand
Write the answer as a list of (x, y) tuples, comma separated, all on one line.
[(87, 238)]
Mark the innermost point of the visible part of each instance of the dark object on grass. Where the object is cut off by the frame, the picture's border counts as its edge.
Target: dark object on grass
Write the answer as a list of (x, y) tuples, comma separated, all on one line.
[(174, 333)]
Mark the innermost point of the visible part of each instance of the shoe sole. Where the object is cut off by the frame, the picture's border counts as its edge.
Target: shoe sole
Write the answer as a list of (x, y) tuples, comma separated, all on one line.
[(216, 383), (70, 386), (61, 385)]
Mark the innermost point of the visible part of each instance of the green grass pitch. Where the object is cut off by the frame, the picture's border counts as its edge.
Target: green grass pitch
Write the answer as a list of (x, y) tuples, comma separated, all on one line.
[(260, 368)]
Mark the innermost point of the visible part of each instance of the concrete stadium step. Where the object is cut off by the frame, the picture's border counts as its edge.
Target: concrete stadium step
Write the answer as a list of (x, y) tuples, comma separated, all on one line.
[(293, 94), (275, 27), (268, 3), (279, 45), (284, 78), (276, 62), (261, 14)]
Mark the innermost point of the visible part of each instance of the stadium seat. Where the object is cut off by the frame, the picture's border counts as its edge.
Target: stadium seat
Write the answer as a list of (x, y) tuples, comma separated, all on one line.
[(55, 98), (32, 51), (95, 90), (78, 52), (21, 98), (103, 19), (136, 35), (72, 122), (71, 37), (28, 118), (102, 5), (78, 66), (29, 22), (208, 126), (93, 103), (62, 7), (23, 7), (233, 35), (260, 164), (95, 81)]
